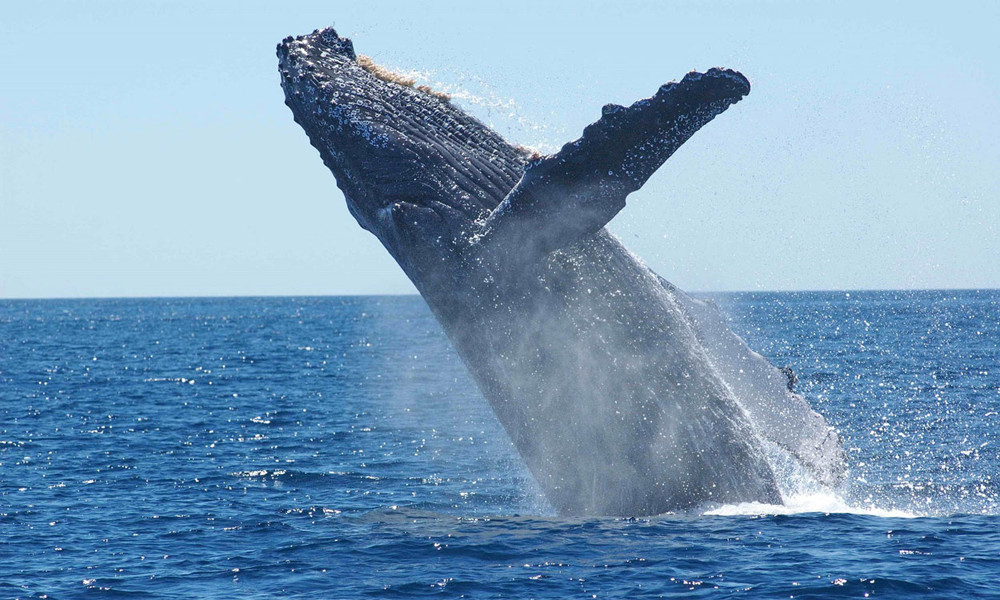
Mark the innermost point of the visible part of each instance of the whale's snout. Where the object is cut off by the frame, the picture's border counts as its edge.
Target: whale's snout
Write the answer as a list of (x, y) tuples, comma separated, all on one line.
[(320, 76), (388, 140)]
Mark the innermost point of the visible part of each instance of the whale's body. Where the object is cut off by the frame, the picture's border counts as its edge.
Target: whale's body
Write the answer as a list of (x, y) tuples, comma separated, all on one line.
[(624, 395)]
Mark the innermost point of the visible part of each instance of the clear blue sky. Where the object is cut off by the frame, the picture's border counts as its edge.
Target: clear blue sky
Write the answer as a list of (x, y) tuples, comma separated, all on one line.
[(145, 149)]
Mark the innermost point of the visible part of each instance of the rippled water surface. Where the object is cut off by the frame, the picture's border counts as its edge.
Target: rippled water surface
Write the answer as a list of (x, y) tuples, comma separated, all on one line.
[(335, 447)]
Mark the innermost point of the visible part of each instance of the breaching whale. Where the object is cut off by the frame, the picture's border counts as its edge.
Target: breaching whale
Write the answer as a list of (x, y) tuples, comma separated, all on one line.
[(624, 395)]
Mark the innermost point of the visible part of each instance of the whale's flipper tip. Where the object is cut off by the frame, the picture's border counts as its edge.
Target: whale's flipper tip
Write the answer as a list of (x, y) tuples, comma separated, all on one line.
[(615, 156), (631, 143)]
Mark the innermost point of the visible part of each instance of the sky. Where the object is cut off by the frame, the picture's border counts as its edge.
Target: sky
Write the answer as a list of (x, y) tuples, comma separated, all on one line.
[(145, 148)]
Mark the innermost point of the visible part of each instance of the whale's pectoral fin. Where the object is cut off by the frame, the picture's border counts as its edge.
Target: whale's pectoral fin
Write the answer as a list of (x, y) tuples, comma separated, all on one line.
[(564, 196)]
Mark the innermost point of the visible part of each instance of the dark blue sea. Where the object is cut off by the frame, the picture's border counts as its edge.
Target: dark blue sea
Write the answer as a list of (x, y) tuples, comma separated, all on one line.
[(336, 448)]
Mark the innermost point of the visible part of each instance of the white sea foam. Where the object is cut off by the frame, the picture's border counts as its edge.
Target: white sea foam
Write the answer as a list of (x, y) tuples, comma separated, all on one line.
[(828, 502), (801, 494)]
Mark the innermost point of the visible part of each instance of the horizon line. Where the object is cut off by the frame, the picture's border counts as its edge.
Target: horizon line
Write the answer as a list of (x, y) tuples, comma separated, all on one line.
[(416, 294)]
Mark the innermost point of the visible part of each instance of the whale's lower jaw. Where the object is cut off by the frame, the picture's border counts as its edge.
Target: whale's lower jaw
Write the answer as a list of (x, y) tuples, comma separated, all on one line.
[(612, 384)]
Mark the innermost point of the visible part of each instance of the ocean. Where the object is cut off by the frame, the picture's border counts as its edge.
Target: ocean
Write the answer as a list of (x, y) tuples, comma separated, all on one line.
[(335, 447)]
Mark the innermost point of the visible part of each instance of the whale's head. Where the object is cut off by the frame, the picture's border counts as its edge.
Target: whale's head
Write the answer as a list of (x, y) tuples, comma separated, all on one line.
[(415, 170)]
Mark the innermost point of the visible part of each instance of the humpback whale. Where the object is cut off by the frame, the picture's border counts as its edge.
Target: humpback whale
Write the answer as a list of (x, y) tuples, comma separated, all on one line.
[(624, 395)]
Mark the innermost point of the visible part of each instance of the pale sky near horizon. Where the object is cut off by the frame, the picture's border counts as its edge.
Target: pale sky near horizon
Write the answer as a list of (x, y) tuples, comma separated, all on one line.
[(145, 149)]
